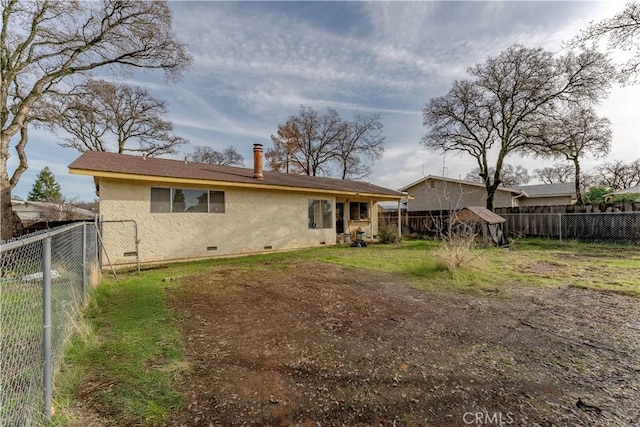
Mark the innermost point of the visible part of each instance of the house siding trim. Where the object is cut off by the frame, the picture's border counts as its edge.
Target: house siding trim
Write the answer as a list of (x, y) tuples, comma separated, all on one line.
[(192, 181)]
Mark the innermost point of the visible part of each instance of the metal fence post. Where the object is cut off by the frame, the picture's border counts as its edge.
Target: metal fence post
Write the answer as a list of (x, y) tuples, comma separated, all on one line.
[(46, 327), (84, 263), (135, 228), (560, 226)]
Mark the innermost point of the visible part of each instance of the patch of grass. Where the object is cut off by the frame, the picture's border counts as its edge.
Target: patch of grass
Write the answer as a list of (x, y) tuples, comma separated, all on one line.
[(538, 262), (132, 354), (130, 347)]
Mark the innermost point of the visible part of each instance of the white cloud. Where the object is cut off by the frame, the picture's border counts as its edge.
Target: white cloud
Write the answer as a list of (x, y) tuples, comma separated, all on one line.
[(256, 63)]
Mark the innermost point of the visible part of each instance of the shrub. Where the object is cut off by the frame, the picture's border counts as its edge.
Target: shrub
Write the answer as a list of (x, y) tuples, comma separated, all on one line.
[(458, 247), (388, 233)]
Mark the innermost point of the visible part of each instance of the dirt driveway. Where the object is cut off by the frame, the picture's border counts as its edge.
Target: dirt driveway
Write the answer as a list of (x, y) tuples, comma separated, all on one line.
[(308, 343)]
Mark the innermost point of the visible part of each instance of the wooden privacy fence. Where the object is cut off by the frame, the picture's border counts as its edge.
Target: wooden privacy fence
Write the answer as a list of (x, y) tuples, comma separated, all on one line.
[(608, 223)]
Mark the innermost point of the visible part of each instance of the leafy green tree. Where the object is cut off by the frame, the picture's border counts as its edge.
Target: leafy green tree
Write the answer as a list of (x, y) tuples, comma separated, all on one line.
[(45, 188), (596, 195), (623, 198)]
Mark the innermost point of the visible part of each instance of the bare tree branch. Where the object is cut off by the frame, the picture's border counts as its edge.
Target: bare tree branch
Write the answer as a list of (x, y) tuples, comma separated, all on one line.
[(313, 143), (44, 42), (621, 32), (508, 100), (227, 157)]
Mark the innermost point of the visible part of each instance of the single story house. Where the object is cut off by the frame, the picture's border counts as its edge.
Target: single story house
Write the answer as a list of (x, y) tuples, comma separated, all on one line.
[(31, 212), (547, 194), (189, 210), (631, 191), (440, 193)]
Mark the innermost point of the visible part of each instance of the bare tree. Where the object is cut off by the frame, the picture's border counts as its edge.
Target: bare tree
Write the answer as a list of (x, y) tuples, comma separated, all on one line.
[(310, 139), (622, 32), (511, 176), (102, 116), (360, 145), (618, 174), (312, 143), (573, 135), (282, 156), (556, 174), (498, 112), (43, 43), (227, 157)]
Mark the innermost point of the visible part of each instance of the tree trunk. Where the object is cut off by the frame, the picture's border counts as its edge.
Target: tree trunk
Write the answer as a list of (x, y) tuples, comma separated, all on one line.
[(6, 211), (576, 163), (490, 194)]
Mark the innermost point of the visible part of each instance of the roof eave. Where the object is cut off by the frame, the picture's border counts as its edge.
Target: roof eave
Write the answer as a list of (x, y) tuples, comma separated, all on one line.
[(257, 185)]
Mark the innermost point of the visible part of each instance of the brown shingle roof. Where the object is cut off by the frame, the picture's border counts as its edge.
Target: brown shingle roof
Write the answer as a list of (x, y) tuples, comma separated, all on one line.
[(98, 163), (479, 214)]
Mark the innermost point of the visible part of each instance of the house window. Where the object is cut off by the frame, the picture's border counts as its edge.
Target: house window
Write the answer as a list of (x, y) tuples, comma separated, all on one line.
[(320, 213), (358, 210), (165, 200), (432, 184), (160, 200)]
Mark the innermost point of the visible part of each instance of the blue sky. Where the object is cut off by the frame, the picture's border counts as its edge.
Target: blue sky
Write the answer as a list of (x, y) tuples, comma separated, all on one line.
[(255, 63)]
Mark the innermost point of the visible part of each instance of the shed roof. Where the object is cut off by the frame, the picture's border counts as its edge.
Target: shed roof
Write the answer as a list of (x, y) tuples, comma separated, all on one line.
[(479, 214), (124, 166)]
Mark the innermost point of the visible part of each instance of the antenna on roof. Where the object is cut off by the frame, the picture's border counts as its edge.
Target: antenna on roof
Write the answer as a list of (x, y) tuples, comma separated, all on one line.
[(444, 164)]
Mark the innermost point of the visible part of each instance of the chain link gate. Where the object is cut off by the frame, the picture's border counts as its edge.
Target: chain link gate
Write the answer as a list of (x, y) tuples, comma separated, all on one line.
[(120, 243)]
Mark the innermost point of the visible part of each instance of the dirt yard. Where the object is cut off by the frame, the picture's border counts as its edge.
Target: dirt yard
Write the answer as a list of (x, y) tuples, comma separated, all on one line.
[(307, 343)]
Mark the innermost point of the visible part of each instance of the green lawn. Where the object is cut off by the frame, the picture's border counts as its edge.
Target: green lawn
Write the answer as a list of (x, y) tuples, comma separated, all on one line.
[(130, 349)]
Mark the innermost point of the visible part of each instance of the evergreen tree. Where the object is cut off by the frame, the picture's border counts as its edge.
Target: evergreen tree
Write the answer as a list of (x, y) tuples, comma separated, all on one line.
[(46, 188)]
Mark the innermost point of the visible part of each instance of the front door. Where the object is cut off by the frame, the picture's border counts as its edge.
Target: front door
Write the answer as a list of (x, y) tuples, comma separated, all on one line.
[(339, 218)]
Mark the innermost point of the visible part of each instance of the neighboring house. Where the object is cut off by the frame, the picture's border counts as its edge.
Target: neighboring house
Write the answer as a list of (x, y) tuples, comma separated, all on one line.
[(547, 194), (192, 210), (31, 212), (631, 191), (439, 193)]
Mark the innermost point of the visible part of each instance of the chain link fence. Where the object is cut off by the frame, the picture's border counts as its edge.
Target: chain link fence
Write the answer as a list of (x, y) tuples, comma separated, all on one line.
[(120, 243), (44, 279)]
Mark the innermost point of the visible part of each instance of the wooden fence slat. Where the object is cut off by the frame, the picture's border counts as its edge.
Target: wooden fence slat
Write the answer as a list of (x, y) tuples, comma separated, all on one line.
[(609, 222)]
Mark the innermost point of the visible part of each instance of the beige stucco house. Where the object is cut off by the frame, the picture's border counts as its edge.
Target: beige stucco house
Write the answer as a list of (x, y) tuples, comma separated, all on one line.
[(439, 193), (191, 210)]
